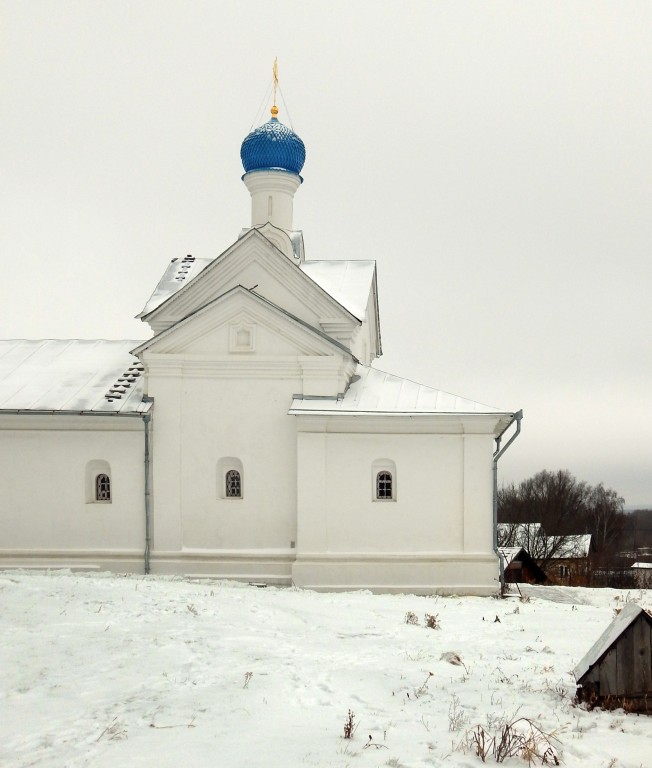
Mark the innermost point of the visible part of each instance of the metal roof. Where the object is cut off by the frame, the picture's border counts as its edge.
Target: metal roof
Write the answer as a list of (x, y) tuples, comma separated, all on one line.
[(348, 282), (176, 275), (70, 376), (374, 392), (273, 146)]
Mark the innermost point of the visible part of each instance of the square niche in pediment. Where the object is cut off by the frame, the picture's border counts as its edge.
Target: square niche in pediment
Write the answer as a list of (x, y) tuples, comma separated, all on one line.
[(242, 337)]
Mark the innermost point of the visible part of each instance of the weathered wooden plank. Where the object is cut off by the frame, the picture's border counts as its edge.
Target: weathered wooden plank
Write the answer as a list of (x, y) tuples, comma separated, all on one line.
[(642, 654), (625, 665), (609, 674), (593, 675)]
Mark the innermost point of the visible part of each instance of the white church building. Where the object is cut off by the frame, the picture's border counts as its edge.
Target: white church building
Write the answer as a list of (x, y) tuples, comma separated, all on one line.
[(251, 437)]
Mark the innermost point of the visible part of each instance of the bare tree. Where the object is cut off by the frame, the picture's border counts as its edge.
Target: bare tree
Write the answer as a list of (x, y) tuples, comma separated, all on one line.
[(546, 513), (605, 517)]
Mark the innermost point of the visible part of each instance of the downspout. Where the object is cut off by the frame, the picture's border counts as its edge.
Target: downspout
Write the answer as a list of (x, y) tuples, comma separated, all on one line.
[(497, 454), (148, 494)]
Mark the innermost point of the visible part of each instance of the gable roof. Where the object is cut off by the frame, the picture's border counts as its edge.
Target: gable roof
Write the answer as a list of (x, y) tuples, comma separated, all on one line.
[(239, 289), (177, 278), (573, 546), (70, 376), (177, 273), (509, 553), (375, 392), (519, 534), (348, 282), (621, 622)]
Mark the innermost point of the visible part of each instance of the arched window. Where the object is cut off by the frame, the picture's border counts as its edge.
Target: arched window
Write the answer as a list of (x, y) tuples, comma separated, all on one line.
[(102, 488), (97, 482), (233, 484), (383, 480), (230, 478), (384, 485)]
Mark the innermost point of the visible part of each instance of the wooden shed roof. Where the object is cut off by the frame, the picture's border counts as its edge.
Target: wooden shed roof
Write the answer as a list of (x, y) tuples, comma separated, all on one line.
[(622, 621)]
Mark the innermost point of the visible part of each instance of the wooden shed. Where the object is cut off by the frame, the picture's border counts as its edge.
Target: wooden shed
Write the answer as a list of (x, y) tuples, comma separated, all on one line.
[(520, 568), (617, 670)]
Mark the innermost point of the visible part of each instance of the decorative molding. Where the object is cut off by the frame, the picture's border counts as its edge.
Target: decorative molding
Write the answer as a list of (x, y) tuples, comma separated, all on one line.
[(446, 425), (221, 275), (240, 305), (242, 337)]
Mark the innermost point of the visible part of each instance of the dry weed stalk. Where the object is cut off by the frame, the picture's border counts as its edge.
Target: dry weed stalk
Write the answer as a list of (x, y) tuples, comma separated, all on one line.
[(517, 738), (349, 727)]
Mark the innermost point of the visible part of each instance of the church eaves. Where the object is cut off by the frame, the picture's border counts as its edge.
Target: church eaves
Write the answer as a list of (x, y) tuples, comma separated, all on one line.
[(70, 376)]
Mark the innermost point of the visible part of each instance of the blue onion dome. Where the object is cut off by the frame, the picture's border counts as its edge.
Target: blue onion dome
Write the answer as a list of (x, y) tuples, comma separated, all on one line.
[(273, 146)]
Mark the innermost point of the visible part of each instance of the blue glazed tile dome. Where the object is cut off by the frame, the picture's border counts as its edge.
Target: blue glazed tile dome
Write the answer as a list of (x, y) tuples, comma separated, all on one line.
[(273, 146)]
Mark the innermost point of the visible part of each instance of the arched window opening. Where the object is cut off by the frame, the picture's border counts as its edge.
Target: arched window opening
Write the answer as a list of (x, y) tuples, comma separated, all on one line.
[(383, 480), (384, 485), (233, 484), (97, 482), (102, 488), (230, 478)]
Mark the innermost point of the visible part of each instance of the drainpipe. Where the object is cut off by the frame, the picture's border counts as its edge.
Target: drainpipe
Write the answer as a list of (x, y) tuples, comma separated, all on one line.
[(147, 418), (497, 454)]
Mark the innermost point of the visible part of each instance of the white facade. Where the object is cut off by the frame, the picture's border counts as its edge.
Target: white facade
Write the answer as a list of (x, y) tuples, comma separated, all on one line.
[(250, 437)]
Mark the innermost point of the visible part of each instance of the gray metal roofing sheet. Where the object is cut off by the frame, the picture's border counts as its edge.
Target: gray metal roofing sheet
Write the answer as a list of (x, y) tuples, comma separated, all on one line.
[(348, 282), (72, 375), (374, 391)]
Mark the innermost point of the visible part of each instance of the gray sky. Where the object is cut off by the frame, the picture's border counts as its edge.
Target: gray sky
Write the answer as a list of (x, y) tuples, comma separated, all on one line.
[(493, 157)]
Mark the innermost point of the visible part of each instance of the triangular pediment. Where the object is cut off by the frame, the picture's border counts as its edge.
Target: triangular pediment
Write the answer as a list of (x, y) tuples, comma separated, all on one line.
[(243, 335), (241, 323), (255, 263)]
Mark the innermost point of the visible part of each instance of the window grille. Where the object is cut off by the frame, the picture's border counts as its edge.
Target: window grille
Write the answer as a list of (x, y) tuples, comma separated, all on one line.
[(384, 485), (103, 488), (233, 484)]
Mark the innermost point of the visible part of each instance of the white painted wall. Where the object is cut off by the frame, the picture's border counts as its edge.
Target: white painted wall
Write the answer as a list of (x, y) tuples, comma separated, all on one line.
[(272, 197), (438, 531), (44, 509)]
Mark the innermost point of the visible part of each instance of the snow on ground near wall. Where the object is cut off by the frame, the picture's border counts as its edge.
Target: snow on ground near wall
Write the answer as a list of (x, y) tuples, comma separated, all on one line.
[(103, 671)]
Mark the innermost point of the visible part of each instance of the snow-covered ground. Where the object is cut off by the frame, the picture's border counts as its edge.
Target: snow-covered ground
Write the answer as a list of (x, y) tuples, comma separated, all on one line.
[(99, 670)]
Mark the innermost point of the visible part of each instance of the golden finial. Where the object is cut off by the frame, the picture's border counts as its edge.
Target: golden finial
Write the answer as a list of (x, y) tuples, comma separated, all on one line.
[(274, 109)]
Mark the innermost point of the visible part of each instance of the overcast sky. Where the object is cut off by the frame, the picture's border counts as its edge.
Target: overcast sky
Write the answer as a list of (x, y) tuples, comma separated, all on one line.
[(494, 158)]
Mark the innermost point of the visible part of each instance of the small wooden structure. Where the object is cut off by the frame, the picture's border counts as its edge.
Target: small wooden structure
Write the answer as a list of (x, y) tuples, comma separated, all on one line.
[(520, 567), (617, 670)]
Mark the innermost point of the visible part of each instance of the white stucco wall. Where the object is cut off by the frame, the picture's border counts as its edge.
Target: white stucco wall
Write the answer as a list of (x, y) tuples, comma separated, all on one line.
[(45, 516), (437, 533), (198, 422)]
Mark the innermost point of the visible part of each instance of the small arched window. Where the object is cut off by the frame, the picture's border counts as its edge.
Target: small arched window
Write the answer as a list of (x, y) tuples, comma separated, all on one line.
[(97, 482), (102, 488), (230, 478), (383, 480), (233, 484), (384, 485)]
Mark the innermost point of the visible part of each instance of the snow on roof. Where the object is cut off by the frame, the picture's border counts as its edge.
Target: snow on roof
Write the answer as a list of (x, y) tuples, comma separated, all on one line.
[(509, 553), (143, 345), (642, 565), (177, 274), (348, 282), (373, 391), (572, 546), (519, 534), (70, 376), (628, 614)]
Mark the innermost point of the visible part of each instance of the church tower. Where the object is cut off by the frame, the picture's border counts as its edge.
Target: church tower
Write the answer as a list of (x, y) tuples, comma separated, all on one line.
[(273, 157)]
